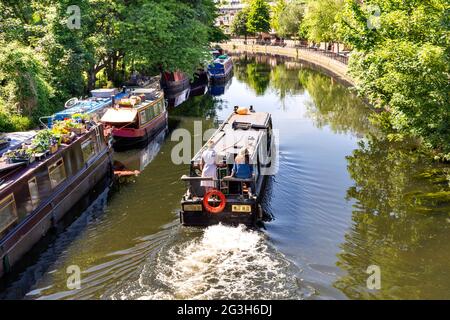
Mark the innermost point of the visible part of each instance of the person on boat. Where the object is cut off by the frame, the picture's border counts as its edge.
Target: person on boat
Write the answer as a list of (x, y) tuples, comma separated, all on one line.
[(209, 167), (242, 169)]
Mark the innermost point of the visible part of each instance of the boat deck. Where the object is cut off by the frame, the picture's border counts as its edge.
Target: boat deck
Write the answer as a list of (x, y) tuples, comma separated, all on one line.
[(239, 131)]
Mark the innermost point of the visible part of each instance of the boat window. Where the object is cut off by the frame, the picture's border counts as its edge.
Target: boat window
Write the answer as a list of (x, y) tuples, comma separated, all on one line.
[(34, 192), (8, 212), (88, 150), (151, 112), (143, 116), (157, 109), (57, 173)]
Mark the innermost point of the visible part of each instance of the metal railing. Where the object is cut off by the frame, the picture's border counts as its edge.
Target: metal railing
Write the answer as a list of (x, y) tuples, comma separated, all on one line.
[(341, 56)]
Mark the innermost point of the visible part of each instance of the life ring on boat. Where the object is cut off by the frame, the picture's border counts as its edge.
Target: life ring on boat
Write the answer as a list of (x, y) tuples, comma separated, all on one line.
[(210, 208)]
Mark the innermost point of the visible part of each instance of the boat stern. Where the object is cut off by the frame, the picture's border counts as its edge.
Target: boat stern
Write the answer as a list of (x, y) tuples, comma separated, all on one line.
[(194, 214)]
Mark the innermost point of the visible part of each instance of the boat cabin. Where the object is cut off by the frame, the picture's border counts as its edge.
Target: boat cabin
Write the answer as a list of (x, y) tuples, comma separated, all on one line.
[(38, 189), (221, 68), (136, 119), (227, 198)]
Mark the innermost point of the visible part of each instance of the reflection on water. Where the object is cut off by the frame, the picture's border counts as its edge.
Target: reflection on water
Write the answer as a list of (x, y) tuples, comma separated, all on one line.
[(400, 223), (139, 159), (344, 198)]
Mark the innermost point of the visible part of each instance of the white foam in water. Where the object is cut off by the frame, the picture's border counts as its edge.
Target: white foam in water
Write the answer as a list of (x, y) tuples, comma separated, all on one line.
[(225, 263)]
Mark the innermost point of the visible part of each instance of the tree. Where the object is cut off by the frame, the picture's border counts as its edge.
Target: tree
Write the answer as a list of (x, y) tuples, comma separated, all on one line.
[(25, 89), (114, 38), (402, 65), (319, 24), (278, 11), (258, 16), (239, 25), (291, 18)]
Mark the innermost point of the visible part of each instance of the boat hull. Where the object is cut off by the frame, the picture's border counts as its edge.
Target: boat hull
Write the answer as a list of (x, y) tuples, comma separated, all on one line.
[(126, 138), (17, 244), (220, 78), (171, 86)]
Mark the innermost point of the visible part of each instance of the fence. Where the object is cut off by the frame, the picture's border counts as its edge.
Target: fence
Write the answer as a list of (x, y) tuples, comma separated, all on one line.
[(338, 56)]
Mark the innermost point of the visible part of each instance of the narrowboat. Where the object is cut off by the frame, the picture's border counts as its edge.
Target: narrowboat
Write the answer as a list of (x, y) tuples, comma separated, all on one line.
[(221, 68), (215, 53), (94, 106), (41, 179), (173, 82), (220, 194), (136, 120)]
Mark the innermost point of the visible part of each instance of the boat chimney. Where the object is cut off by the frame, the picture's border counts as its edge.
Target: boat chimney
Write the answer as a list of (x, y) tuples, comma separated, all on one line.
[(124, 89), (236, 109), (251, 109), (113, 101)]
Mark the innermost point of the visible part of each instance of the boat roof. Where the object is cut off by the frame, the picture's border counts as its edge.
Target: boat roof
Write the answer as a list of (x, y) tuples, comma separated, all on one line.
[(16, 139), (119, 115), (88, 105), (237, 132)]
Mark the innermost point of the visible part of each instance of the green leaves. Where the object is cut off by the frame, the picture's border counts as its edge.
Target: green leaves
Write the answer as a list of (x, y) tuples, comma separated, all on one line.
[(404, 65), (320, 20), (258, 16), (49, 63)]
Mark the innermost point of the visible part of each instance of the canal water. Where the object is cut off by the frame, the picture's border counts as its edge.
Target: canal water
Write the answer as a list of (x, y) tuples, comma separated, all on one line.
[(345, 199)]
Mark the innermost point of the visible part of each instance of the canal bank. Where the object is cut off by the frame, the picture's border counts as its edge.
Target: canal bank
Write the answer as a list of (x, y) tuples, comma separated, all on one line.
[(337, 68)]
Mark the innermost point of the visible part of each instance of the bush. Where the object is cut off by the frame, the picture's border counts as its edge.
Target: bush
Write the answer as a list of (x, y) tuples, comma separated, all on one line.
[(25, 89), (11, 123)]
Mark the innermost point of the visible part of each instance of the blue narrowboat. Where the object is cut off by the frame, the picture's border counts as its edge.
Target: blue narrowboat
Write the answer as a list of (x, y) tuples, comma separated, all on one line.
[(221, 68), (94, 106)]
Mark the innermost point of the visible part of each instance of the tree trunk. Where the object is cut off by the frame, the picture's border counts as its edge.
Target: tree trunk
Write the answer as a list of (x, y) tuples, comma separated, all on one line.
[(92, 78)]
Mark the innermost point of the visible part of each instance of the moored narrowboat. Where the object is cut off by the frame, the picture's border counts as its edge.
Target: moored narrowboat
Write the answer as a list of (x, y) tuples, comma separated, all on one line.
[(221, 68), (136, 120), (228, 175), (41, 179), (93, 107), (173, 82)]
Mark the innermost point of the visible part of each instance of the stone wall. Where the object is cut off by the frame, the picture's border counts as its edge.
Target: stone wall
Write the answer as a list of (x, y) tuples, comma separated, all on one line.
[(336, 67)]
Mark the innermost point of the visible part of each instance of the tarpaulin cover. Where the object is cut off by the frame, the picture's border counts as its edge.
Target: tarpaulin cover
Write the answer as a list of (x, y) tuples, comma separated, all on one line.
[(119, 116)]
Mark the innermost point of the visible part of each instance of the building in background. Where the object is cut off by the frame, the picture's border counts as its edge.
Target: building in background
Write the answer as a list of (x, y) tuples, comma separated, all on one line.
[(227, 12)]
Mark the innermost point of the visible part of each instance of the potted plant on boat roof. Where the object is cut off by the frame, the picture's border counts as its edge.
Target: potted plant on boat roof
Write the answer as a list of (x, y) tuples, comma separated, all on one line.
[(76, 127), (81, 117), (43, 141), (23, 154)]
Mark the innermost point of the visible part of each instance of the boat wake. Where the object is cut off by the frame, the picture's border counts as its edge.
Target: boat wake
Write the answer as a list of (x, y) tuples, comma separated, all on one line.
[(223, 263)]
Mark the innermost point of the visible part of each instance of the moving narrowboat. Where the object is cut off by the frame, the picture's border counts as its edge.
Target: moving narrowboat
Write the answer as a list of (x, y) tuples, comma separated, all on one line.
[(41, 179), (136, 120), (223, 196), (173, 82), (94, 106), (221, 68)]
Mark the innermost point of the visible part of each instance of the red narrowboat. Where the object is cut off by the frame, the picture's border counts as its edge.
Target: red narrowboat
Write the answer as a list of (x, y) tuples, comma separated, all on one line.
[(136, 120)]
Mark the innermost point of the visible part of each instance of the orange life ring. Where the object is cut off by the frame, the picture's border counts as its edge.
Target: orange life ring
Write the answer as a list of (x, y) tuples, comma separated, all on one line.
[(211, 209)]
